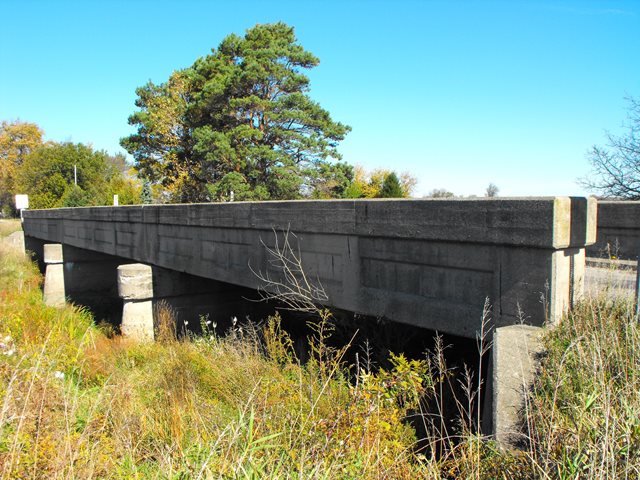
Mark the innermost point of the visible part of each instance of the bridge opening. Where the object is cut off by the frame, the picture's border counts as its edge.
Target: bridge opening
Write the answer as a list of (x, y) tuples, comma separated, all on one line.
[(458, 397), (91, 281), (371, 342)]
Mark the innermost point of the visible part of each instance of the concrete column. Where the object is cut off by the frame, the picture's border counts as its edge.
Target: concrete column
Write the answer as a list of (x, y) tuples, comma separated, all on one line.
[(54, 294), (16, 241), (135, 287), (514, 364)]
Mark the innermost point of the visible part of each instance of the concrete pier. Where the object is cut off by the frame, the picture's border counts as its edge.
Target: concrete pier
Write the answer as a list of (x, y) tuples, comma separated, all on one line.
[(135, 287), (16, 241), (54, 291), (514, 363)]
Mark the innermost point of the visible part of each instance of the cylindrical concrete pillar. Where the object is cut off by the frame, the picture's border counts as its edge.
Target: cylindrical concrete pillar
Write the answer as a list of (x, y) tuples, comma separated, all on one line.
[(54, 293), (135, 287)]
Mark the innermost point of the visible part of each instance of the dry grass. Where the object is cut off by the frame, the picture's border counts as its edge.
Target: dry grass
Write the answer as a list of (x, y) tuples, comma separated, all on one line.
[(585, 404), (77, 404), (7, 227)]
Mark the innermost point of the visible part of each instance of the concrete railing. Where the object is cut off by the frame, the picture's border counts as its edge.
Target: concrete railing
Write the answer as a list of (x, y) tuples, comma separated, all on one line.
[(429, 263), (618, 231)]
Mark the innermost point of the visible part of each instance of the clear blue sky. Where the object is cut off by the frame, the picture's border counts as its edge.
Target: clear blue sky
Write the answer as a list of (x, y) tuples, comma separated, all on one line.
[(458, 93)]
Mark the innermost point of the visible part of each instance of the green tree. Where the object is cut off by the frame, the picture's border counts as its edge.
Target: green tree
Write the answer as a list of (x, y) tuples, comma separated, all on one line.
[(145, 195), (243, 110), (17, 141), (369, 184), (47, 176), (331, 180), (74, 196), (391, 187)]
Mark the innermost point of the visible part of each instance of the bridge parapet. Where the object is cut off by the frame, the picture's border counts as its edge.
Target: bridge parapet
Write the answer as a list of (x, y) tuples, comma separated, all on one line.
[(618, 228), (429, 263)]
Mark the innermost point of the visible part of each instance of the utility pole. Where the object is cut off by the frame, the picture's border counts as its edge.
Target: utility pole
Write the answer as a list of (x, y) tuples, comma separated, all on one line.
[(75, 175)]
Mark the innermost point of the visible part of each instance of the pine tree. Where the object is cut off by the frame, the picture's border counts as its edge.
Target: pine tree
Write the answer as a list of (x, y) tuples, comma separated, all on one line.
[(145, 194), (242, 110), (391, 187)]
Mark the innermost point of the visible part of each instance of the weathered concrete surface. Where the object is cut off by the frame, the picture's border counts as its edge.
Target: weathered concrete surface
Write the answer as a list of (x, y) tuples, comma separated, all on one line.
[(135, 287), (618, 232), (135, 282), (514, 363), (429, 263), (16, 241), (137, 320), (54, 292), (53, 253)]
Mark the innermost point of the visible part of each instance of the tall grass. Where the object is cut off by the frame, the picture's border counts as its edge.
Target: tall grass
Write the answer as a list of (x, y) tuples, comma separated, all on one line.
[(77, 403), (585, 412), (7, 227)]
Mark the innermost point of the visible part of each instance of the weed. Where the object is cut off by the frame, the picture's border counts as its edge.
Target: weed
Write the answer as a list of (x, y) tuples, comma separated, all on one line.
[(78, 403)]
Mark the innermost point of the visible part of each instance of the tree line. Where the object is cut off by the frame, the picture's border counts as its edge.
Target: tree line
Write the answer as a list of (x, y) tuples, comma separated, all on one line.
[(59, 174), (73, 175), (238, 124)]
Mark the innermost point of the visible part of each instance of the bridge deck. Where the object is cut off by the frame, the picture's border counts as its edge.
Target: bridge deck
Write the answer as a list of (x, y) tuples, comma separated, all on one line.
[(429, 263)]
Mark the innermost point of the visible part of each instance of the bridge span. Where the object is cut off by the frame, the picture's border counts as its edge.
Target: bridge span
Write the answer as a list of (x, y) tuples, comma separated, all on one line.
[(428, 263)]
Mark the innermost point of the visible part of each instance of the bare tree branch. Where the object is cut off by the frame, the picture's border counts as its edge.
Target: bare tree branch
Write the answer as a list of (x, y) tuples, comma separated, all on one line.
[(291, 285), (616, 167)]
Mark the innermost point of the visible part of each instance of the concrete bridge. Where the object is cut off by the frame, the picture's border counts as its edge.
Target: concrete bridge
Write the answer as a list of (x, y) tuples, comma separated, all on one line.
[(428, 263)]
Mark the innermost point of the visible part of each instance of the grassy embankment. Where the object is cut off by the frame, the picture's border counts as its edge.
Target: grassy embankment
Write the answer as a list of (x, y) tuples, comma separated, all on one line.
[(77, 404)]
